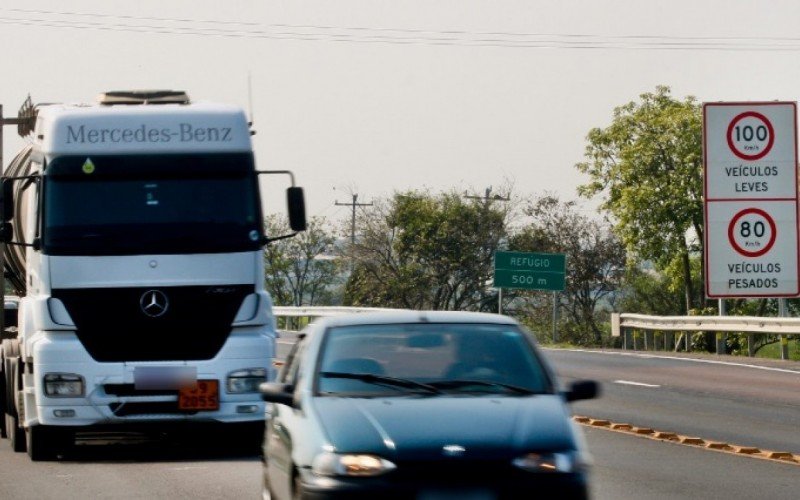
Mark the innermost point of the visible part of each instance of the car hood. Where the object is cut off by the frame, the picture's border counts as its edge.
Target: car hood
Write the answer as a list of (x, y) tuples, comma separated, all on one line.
[(420, 427)]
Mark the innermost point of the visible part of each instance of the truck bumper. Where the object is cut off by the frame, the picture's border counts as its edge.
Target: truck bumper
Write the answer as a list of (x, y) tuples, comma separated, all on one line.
[(112, 397)]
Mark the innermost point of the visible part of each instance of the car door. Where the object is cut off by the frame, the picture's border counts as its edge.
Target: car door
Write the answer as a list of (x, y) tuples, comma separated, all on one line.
[(278, 445)]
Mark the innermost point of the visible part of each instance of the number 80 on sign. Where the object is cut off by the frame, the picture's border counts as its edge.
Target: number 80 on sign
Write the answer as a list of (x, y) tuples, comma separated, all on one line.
[(752, 232)]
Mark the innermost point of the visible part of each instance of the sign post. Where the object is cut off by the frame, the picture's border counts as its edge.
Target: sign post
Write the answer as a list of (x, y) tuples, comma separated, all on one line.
[(751, 199)]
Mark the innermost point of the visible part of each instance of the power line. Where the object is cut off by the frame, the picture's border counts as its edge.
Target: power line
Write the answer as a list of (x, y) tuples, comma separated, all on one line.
[(397, 36), (690, 39), (487, 197)]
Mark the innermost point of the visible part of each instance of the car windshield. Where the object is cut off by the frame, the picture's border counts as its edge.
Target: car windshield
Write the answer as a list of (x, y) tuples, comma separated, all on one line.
[(429, 359)]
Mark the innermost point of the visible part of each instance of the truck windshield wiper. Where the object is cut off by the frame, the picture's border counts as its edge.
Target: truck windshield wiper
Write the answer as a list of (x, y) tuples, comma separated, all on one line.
[(384, 380), (458, 384)]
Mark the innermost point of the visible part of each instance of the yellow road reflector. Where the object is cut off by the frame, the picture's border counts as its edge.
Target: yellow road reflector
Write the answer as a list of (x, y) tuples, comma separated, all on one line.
[(646, 432)]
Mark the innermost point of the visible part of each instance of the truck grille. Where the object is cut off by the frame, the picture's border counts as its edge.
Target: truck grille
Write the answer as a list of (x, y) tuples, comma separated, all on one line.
[(116, 324)]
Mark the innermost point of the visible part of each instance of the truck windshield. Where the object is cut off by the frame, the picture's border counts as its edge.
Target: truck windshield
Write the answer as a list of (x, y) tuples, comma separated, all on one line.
[(164, 204)]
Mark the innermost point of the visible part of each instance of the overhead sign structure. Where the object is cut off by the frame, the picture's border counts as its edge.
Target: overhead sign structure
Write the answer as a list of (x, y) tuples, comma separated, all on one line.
[(530, 271), (751, 199)]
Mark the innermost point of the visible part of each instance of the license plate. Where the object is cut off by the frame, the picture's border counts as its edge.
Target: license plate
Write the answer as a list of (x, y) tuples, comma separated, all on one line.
[(204, 395)]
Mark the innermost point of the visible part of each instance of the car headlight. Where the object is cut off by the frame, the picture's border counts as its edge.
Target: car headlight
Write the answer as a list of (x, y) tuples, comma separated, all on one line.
[(334, 464), (63, 385), (242, 381), (570, 461)]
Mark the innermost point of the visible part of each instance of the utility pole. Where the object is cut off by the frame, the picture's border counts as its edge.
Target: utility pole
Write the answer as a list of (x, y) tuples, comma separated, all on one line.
[(486, 199), (353, 204)]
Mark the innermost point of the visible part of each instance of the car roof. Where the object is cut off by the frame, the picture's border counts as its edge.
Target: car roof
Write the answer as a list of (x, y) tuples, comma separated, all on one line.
[(406, 317)]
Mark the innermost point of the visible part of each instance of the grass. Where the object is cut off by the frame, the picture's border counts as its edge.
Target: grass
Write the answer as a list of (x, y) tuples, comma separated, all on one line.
[(774, 350)]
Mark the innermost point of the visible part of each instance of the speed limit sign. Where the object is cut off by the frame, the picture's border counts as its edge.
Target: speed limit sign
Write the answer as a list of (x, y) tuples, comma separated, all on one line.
[(750, 135), (752, 232), (751, 199)]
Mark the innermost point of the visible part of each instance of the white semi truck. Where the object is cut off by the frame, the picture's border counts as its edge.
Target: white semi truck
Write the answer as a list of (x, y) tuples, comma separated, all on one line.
[(133, 236)]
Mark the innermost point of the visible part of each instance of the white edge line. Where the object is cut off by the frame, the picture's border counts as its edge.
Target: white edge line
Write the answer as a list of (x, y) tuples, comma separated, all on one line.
[(693, 360), (638, 384)]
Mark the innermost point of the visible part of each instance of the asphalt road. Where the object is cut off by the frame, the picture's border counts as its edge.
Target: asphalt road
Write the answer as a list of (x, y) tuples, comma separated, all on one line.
[(752, 405), (738, 400), (626, 467)]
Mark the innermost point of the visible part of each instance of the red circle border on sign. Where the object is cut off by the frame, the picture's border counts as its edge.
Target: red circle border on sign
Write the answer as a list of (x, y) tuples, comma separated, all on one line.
[(742, 116), (772, 228)]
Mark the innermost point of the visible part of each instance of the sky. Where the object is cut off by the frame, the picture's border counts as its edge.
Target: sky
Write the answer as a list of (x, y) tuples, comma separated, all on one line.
[(369, 97)]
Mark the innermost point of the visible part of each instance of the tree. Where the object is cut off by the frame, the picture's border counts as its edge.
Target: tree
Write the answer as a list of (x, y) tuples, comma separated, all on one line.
[(595, 258), (423, 251), (647, 165), (301, 270)]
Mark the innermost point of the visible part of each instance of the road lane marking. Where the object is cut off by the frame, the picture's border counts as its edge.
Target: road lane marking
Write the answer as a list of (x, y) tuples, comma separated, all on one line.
[(693, 360), (638, 384)]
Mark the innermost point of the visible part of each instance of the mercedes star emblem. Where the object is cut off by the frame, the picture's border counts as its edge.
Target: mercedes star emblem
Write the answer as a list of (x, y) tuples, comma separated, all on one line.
[(154, 303)]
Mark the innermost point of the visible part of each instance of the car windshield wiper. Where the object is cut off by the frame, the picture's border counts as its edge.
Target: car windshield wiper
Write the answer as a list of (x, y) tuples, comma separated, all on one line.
[(458, 384), (384, 380)]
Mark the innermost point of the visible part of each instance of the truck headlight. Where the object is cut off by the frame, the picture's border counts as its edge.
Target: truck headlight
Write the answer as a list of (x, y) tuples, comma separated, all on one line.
[(244, 381), (63, 385), (333, 464)]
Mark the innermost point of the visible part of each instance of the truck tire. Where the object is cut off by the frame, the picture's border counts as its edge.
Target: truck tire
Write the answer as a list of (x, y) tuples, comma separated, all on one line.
[(47, 442), (3, 396), (16, 434)]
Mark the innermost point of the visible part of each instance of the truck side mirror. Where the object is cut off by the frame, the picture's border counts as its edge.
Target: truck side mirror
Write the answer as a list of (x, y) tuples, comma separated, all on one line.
[(8, 199), (6, 232), (296, 208)]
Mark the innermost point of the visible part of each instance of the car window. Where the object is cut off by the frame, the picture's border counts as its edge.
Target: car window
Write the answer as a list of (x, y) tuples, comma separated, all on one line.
[(429, 353), (293, 361)]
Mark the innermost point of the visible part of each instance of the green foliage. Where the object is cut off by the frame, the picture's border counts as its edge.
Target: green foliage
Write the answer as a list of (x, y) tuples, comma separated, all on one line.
[(648, 292), (423, 251), (659, 292), (647, 166), (299, 270), (595, 266)]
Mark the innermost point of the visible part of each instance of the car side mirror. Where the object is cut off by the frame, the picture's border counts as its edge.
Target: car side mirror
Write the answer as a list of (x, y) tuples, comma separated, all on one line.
[(275, 392), (582, 389)]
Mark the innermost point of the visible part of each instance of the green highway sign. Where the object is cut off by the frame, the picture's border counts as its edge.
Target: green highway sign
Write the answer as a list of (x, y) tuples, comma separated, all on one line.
[(530, 271)]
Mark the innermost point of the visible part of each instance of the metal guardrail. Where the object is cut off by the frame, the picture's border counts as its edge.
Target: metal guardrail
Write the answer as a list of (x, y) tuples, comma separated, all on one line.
[(296, 317), (319, 311), (622, 325)]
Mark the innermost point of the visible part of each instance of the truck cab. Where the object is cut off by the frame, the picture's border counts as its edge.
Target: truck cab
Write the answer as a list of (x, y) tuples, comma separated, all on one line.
[(134, 234)]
